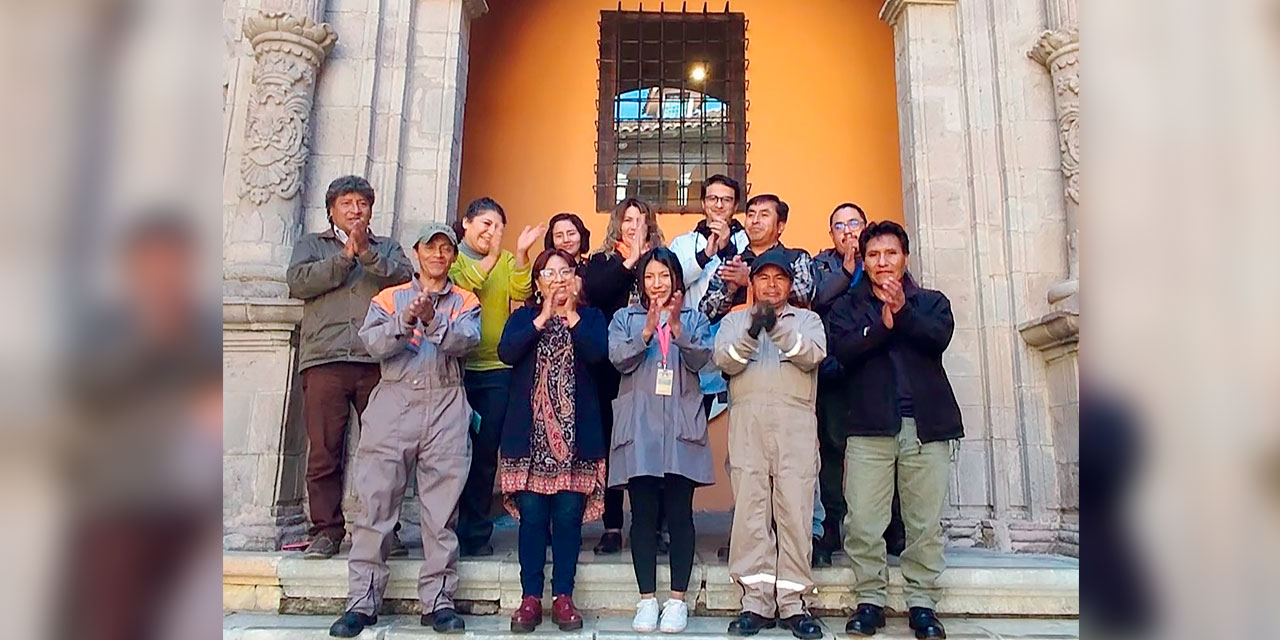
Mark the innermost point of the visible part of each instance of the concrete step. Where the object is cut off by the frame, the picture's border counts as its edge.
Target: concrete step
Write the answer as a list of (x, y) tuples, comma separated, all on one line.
[(240, 626), (977, 582)]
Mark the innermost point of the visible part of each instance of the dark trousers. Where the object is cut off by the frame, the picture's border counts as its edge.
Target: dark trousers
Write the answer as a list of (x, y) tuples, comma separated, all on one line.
[(557, 518), (612, 496), (487, 393), (328, 392), (650, 497), (832, 407)]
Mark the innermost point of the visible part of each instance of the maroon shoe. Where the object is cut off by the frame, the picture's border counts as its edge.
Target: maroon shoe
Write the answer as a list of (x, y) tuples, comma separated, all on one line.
[(564, 614), (528, 616)]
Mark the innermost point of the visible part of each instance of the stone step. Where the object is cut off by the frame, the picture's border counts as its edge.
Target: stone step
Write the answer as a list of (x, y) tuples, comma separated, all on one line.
[(240, 626), (977, 582)]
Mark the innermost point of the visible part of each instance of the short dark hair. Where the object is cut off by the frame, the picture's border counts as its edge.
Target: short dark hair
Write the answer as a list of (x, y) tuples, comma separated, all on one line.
[(883, 228), (720, 178), (842, 205), (161, 225), (548, 241), (666, 257), (778, 204), (344, 185)]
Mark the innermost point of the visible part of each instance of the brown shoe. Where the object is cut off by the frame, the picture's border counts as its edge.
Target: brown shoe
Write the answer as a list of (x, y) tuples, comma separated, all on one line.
[(564, 614), (528, 616)]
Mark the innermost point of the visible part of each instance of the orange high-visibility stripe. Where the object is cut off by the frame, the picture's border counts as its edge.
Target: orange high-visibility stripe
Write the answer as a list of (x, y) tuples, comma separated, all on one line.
[(469, 302), (387, 297)]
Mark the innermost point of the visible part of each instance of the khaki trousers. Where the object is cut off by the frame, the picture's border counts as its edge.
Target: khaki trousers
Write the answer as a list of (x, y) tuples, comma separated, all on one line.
[(773, 464), (923, 472)]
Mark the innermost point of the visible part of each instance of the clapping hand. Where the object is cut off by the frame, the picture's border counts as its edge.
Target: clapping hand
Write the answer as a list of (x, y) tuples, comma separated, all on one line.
[(419, 309), (763, 318), (735, 272), (674, 304)]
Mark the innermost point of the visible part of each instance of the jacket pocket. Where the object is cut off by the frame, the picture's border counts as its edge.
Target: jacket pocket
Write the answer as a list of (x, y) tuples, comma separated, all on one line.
[(624, 428), (693, 424)]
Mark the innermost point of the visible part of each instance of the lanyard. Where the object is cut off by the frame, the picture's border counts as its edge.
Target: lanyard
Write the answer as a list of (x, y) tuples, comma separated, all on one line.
[(664, 342)]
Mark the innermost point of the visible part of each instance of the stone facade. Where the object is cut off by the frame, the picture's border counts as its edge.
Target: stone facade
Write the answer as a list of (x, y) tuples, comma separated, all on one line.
[(988, 96)]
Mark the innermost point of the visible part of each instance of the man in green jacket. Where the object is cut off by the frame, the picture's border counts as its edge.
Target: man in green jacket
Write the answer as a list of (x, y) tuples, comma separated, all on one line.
[(336, 272)]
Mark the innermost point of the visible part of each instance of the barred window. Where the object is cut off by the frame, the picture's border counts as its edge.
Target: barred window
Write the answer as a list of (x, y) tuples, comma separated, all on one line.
[(672, 105)]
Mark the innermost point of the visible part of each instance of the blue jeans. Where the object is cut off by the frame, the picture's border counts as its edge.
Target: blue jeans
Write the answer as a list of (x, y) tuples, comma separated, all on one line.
[(558, 518), (487, 393)]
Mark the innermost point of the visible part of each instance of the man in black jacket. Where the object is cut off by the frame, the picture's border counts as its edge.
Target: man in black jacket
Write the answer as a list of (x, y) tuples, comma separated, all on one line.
[(889, 335)]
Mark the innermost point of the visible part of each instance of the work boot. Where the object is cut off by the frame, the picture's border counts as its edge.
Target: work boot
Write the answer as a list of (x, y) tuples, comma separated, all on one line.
[(865, 620), (926, 623), (483, 550), (398, 550), (802, 626), (322, 547), (444, 620), (564, 614), (610, 543), (351, 624), (749, 624), (528, 616), (821, 554)]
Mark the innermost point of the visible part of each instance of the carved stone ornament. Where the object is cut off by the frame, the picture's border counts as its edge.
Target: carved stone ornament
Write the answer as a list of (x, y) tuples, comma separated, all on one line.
[(1059, 51), (288, 51)]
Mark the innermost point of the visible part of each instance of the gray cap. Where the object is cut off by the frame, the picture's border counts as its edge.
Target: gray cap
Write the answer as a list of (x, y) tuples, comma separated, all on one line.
[(433, 229)]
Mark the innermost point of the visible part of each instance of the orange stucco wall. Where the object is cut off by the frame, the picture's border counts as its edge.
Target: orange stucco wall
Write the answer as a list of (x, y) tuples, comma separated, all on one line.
[(823, 117)]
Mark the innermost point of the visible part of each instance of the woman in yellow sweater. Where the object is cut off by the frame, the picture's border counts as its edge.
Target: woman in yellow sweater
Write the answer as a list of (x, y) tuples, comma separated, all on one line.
[(498, 277)]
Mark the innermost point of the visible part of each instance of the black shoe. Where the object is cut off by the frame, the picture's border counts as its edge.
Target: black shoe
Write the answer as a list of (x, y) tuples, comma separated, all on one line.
[(398, 550), (483, 550), (895, 546), (351, 624), (444, 621), (926, 624), (865, 620), (821, 554), (321, 547), (803, 626), (610, 543), (749, 624), (664, 543)]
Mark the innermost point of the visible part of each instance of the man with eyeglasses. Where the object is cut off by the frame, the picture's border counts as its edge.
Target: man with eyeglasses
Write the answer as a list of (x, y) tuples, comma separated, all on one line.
[(711, 244), (836, 271)]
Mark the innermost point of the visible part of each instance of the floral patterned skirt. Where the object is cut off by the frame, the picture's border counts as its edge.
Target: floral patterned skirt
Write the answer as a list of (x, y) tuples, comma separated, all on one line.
[(578, 476)]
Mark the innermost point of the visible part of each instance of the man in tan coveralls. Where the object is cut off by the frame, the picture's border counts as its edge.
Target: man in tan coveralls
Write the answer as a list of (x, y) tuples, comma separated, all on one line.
[(418, 415), (773, 448)]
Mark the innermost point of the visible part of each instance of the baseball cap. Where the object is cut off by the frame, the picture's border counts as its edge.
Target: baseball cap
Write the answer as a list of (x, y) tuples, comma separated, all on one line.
[(774, 257), (433, 229)]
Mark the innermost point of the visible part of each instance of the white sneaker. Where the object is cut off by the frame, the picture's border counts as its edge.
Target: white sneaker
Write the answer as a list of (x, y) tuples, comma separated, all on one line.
[(646, 620), (675, 616)]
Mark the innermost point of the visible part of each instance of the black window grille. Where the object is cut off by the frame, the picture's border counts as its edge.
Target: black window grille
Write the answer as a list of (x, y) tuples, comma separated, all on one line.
[(672, 105)]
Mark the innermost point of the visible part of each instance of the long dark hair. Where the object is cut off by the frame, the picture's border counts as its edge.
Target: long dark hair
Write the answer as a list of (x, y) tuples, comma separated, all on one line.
[(548, 241), (540, 263), (666, 257)]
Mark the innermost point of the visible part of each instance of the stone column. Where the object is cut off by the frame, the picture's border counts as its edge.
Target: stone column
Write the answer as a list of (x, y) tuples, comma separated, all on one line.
[(1056, 335), (1058, 49), (264, 445), (288, 53)]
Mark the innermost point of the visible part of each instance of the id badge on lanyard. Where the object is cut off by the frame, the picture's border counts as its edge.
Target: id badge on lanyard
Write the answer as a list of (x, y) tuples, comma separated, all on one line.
[(666, 376)]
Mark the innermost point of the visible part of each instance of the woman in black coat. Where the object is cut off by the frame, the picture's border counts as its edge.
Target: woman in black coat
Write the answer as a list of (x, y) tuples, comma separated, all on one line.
[(609, 283)]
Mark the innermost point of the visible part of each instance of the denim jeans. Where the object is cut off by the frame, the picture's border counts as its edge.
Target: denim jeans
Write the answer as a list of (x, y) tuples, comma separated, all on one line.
[(487, 393), (557, 518)]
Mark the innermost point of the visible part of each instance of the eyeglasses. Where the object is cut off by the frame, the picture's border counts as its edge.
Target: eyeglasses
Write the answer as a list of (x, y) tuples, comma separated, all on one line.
[(725, 200), (842, 226), (552, 274)]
